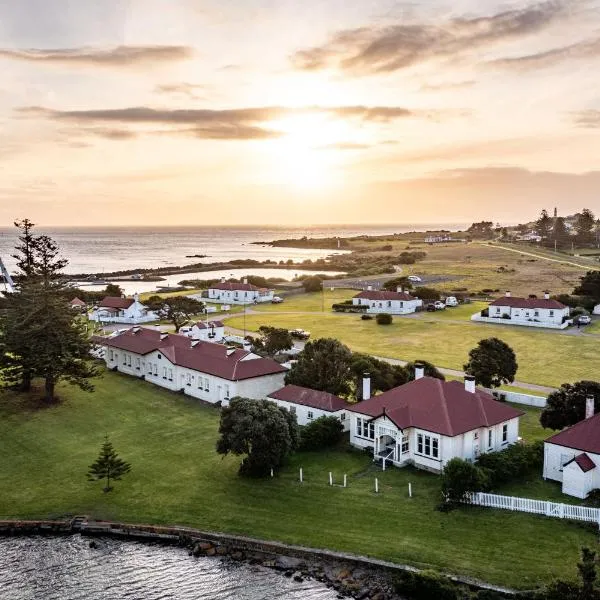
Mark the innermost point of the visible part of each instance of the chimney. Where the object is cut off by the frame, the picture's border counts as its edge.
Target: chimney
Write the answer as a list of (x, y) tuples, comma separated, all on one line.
[(245, 281), (136, 297), (546, 295), (369, 288), (589, 406), (366, 386), (419, 371), (470, 384), (399, 289), (507, 294), (222, 279)]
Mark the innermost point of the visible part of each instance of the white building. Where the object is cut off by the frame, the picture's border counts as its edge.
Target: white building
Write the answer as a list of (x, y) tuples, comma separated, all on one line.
[(238, 293), (427, 422), (528, 312), (309, 404), (573, 455), (207, 371), (211, 331), (121, 310), (393, 303)]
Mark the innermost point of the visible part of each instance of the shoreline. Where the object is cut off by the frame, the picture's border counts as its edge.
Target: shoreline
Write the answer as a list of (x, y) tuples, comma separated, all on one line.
[(352, 576)]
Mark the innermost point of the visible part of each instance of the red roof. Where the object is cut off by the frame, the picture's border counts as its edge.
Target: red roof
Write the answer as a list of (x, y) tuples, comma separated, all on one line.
[(307, 397), (77, 302), (115, 302), (584, 436), (584, 462), (375, 295), (205, 357), (240, 287), (528, 303), (443, 407)]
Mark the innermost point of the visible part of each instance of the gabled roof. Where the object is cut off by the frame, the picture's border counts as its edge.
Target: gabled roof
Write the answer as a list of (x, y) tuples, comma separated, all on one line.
[(584, 436), (213, 359), (584, 462), (77, 302), (240, 287), (375, 295), (306, 397), (202, 324), (528, 303), (443, 407), (115, 302)]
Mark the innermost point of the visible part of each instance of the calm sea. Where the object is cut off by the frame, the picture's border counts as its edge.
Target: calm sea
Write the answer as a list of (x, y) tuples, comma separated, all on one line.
[(66, 568)]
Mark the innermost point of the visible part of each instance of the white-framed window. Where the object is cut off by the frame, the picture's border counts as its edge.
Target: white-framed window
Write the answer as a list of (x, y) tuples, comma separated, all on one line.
[(490, 439), (164, 372), (124, 359), (149, 368), (155, 370), (189, 379), (138, 362), (428, 445), (536, 313), (310, 415), (551, 313), (110, 355), (206, 384), (170, 374), (365, 428), (497, 309), (343, 417), (226, 392), (505, 433), (405, 445)]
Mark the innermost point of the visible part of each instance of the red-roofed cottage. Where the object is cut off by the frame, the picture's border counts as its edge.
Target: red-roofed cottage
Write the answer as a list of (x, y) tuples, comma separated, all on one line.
[(309, 404), (207, 371), (573, 455), (238, 293), (209, 331), (113, 309), (393, 303), (427, 422), (530, 312)]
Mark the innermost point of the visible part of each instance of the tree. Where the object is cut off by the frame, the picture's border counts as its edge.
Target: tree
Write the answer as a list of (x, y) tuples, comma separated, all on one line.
[(324, 365), (427, 293), (324, 432), (384, 319), (108, 466), (262, 431), (176, 309), (492, 362), (312, 284), (274, 340), (113, 290), (584, 226), (587, 573), (430, 370), (589, 286), (566, 406), (460, 479), (543, 226), (384, 376), (483, 229), (560, 234), (393, 284), (25, 250)]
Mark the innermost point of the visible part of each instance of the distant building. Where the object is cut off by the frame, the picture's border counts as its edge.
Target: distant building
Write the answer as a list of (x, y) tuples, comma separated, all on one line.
[(238, 293), (113, 309), (393, 303), (437, 239), (211, 331), (77, 304)]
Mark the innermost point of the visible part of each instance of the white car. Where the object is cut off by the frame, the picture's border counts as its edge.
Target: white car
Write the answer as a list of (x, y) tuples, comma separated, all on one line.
[(414, 278), (439, 305), (277, 300), (451, 301), (584, 319)]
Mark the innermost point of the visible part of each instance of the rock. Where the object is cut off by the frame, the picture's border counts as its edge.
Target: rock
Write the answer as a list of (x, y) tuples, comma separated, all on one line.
[(297, 576), (289, 573), (93, 544), (269, 563), (237, 555), (343, 574), (204, 546), (378, 596), (210, 551), (222, 550), (288, 562)]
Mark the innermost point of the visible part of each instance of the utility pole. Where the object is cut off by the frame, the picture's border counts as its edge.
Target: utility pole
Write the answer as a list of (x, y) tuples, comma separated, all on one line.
[(322, 296)]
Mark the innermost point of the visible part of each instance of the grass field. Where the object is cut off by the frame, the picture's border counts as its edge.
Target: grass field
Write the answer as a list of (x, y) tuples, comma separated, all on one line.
[(177, 478), (544, 358)]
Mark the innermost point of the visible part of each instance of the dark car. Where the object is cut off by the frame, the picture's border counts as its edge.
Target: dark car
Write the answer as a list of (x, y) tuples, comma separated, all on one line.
[(431, 308), (300, 334)]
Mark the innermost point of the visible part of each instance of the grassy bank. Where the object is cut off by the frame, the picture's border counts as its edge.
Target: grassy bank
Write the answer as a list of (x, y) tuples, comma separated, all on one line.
[(177, 478)]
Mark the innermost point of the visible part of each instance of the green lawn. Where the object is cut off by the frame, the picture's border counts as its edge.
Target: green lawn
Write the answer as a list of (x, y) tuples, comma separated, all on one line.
[(312, 302), (544, 358), (177, 478)]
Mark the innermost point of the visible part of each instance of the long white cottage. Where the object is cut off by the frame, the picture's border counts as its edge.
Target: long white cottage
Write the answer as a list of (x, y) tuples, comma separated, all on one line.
[(308, 404), (238, 293), (528, 312), (113, 309), (427, 422), (573, 455), (210, 372), (210, 331), (393, 303)]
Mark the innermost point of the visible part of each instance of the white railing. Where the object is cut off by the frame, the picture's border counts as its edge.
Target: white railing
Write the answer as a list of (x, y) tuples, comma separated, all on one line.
[(538, 507)]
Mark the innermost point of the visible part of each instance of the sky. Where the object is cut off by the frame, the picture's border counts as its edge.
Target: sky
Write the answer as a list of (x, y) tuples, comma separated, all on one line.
[(185, 112)]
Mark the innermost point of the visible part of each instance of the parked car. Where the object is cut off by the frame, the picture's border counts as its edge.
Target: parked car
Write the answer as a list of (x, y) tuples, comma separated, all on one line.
[(431, 307), (414, 278), (451, 301), (300, 334), (277, 300), (584, 319), (439, 305)]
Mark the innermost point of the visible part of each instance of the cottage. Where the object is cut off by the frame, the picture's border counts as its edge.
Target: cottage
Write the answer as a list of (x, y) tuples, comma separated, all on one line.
[(573, 455), (310, 404), (113, 309), (211, 331), (207, 371), (427, 422), (393, 303), (238, 293), (529, 312), (77, 304)]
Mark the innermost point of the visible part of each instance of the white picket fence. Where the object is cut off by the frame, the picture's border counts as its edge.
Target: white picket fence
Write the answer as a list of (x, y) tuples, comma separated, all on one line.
[(538, 507)]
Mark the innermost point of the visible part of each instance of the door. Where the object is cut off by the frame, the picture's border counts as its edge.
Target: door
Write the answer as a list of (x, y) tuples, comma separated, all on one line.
[(476, 445)]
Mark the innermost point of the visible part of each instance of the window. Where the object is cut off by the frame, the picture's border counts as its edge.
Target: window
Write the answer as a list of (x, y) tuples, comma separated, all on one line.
[(110, 355), (138, 362), (226, 392), (343, 417), (389, 303), (564, 459), (170, 374), (404, 444), (206, 384), (498, 309), (536, 313), (490, 438), (149, 368), (428, 445), (159, 357), (164, 372), (551, 313), (124, 359), (189, 379), (505, 433), (365, 428), (310, 415), (293, 410), (155, 370)]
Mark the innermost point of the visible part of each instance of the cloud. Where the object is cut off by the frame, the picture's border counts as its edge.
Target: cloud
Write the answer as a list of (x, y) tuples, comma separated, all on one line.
[(549, 58), (369, 50), (449, 85), (186, 89), (119, 56), (345, 146), (587, 118)]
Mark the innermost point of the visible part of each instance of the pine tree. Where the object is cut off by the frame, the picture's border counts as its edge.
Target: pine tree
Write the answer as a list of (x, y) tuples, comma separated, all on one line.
[(108, 466), (585, 226), (543, 226)]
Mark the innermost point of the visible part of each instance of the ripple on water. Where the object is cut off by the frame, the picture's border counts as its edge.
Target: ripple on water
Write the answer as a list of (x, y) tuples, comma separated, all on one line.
[(65, 568)]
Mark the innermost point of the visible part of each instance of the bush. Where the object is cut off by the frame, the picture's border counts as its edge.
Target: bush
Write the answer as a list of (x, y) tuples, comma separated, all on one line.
[(459, 479), (323, 432), (312, 284), (485, 312), (384, 319), (578, 311), (366, 317), (427, 293), (427, 585), (512, 463)]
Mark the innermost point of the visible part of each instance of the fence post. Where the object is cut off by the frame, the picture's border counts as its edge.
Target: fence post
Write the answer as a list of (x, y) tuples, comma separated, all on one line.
[(344, 479), (271, 472), (409, 489), (330, 478), (548, 511), (376, 485), (561, 511), (300, 474)]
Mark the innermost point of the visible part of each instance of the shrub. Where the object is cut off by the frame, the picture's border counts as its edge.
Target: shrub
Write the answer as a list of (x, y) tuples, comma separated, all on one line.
[(427, 585), (427, 293), (485, 312), (406, 260), (459, 479), (384, 319), (366, 317), (323, 432), (512, 463), (578, 311)]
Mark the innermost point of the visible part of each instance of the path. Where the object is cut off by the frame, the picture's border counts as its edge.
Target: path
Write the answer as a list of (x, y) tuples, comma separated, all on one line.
[(541, 256)]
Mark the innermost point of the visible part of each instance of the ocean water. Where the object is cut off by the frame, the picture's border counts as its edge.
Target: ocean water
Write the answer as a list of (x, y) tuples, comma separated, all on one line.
[(102, 250), (65, 568)]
